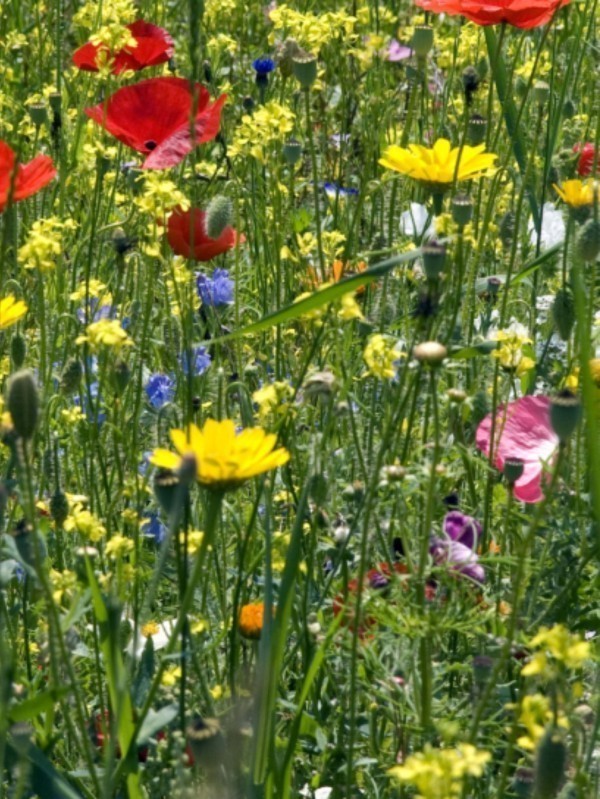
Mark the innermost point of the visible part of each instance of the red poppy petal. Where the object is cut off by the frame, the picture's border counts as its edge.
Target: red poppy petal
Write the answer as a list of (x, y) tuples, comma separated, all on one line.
[(34, 176)]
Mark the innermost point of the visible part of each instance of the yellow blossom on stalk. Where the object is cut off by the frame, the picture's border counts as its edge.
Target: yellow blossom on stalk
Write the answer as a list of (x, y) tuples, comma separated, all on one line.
[(510, 353), (437, 166), (160, 195), (44, 243), (170, 676), (63, 583), (440, 773), (118, 546), (105, 333), (535, 714), (577, 193), (381, 354), (272, 399), (311, 30), (270, 123), (108, 22), (11, 310), (557, 647), (223, 458), (195, 538), (72, 415), (94, 289), (349, 308), (81, 521)]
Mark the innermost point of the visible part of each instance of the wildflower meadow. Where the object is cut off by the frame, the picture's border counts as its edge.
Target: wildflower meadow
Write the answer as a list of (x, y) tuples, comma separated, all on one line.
[(300, 399)]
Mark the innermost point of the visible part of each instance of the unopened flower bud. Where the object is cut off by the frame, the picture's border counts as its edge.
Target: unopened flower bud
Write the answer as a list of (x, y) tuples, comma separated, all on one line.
[(456, 395), (59, 507), (588, 243), (471, 81), (563, 313), (541, 92), (431, 353), (18, 350), (320, 384), (422, 40), (565, 413), (71, 376), (219, 215), (550, 763), (434, 259), (23, 403), (394, 473), (305, 69), (120, 241)]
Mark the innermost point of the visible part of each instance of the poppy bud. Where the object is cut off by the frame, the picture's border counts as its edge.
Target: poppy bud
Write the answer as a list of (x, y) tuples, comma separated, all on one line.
[(456, 395), (121, 241), (471, 81), (394, 473), (462, 209), (431, 353), (513, 469), (550, 762), (422, 40), (569, 108), (588, 243), (507, 229), (219, 213), (541, 92), (305, 69), (476, 129), (71, 376), (18, 350), (292, 152), (320, 384), (563, 313), (38, 113), (565, 413), (23, 403), (434, 259), (59, 507)]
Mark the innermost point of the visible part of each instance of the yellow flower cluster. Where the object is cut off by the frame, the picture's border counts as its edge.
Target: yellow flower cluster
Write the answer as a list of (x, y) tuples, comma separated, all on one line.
[(105, 333), (535, 715), (381, 354), (44, 243), (557, 648), (108, 20), (118, 546), (273, 400), (94, 289), (270, 123), (63, 583), (440, 773), (311, 30), (81, 521), (160, 196), (510, 353)]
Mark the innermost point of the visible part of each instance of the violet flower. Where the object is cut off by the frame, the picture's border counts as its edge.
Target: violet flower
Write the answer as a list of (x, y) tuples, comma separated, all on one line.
[(457, 548)]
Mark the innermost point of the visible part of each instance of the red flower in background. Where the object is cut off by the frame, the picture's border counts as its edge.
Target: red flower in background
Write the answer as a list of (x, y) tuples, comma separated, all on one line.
[(186, 235), (25, 179), (520, 13), (153, 46), (153, 117), (587, 155)]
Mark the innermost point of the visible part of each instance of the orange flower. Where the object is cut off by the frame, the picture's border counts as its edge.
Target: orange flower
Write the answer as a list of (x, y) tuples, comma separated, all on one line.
[(251, 619), (530, 14)]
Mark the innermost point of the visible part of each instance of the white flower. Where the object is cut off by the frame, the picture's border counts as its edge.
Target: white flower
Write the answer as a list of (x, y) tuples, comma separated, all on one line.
[(160, 634), (323, 793), (414, 222), (553, 228)]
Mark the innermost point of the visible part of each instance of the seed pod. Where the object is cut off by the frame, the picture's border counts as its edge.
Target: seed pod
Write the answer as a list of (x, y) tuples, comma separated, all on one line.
[(476, 130), (292, 152), (434, 259), (422, 40), (305, 69), (71, 376), (563, 313), (513, 469), (565, 413), (167, 491), (23, 403), (18, 350), (462, 209), (219, 213), (550, 762)]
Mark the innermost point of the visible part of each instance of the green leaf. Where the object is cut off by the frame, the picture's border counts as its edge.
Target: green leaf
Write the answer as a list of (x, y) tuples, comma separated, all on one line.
[(30, 708), (484, 348), (531, 267), (321, 297), (155, 721), (45, 780)]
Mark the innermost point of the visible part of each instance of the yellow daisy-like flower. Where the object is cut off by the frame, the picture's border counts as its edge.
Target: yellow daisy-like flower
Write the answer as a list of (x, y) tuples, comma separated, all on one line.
[(105, 333), (437, 165), (577, 193), (11, 310), (224, 459)]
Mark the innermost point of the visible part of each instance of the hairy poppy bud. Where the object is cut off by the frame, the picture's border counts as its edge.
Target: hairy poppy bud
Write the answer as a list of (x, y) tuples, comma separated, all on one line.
[(219, 213), (305, 69), (23, 403), (422, 40), (563, 313), (471, 81), (565, 413), (71, 376), (59, 507), (18, 350), (541, 92), (550, 762), (588, 243)]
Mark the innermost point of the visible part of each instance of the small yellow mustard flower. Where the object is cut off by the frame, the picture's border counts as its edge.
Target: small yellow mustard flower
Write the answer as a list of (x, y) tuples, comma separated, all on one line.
[(381, 354), (557, 647), (94, 289), (171, 676), (270, 123), (63, 584), (273, 399), (160, 195), (313, 31), (118, 546), (105, 333), (440, 773), (44, 243), (510, 353), (81, 521)]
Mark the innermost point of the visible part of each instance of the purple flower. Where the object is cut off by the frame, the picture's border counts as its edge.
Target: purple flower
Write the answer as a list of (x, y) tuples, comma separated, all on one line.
[(199, 358), (97, 312), (216, 290), (398, 52), (160, 389), (152, 527), (263, 66), (458, 548)]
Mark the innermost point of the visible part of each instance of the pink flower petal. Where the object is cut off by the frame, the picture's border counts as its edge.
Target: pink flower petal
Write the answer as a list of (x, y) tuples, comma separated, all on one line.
[(523, 430)]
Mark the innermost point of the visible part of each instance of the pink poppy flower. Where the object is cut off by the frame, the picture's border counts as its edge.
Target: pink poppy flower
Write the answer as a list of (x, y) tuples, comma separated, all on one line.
[(522, 431)]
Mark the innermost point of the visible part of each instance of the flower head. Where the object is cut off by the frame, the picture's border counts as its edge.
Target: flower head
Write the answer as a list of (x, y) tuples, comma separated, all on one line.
[(522, 430), (458, 547), (153, 118), (531, 14), (440, 773), (216, 290), (577, 193), (19, 181), (251, 619), (437, 166), (263, 66), (105, 333), (187, 236), (198, 358), (149, 46), (381, 355), (11, 310), (224, 459), (160, 389), (587, 156)]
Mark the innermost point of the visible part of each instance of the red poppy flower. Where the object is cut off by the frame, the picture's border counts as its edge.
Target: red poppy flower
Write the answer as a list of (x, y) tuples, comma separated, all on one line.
[(153, 117), (26, 179), (520, 13), (186, 235), (153, 46), (585, 163)]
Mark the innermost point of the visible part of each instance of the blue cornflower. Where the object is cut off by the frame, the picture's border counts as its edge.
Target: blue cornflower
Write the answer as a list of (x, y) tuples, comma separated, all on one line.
[(200, 360), (160, 389), (332, 190), (152, 527), (216, 290), (97, 312), (263, 66)]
